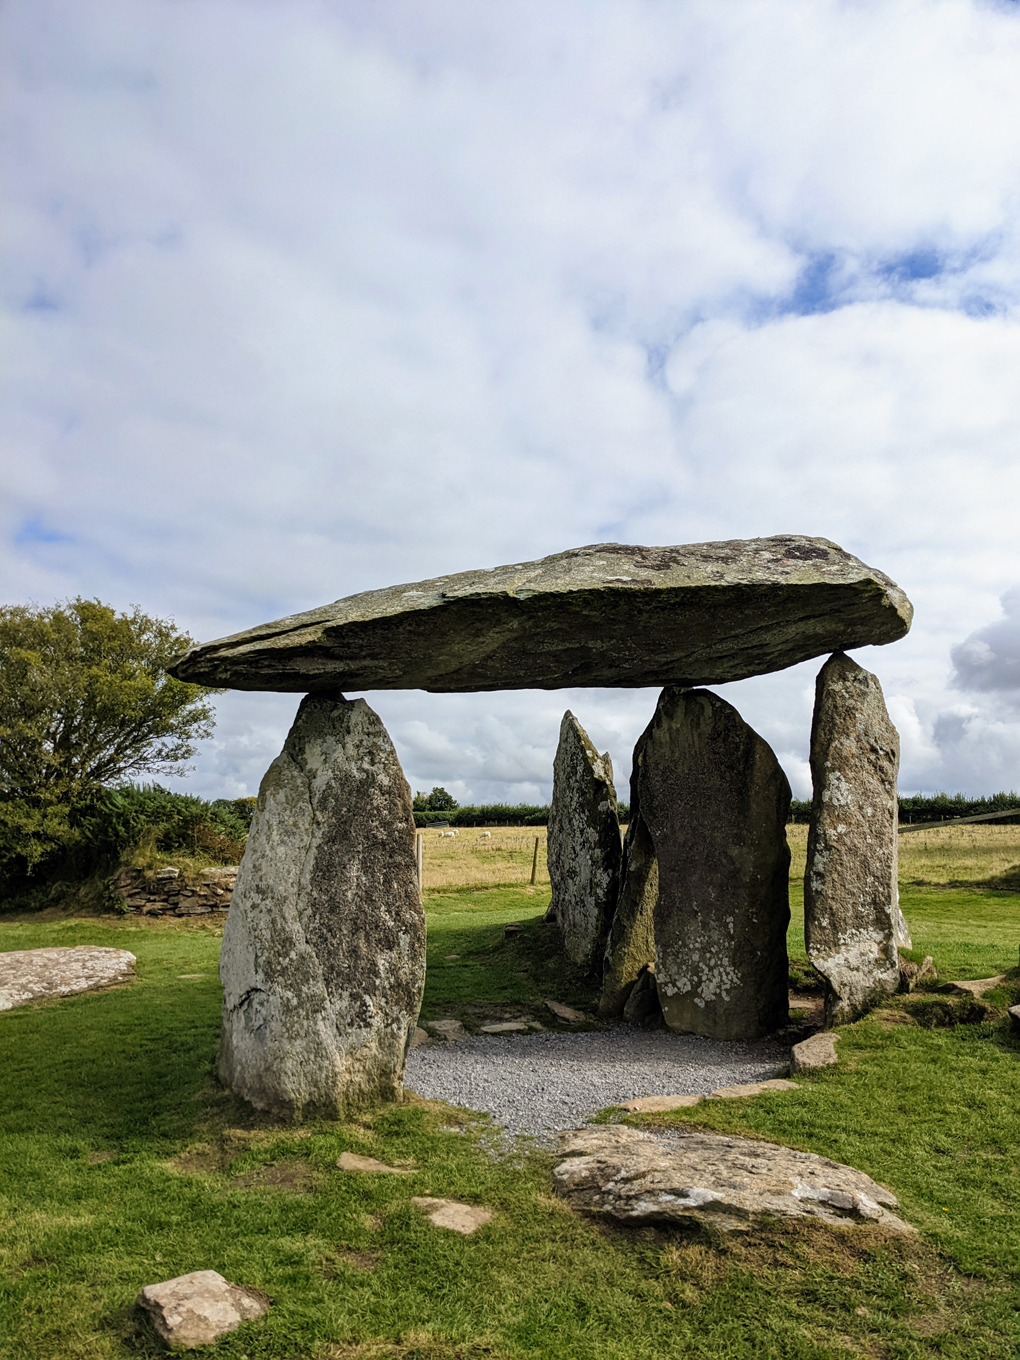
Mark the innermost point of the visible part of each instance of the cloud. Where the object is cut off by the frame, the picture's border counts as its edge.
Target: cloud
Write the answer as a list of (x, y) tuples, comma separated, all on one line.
[(306, 297), (989, 659)]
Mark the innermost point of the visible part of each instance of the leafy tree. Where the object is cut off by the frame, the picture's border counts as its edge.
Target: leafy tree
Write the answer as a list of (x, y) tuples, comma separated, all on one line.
[(441, 801), (85, 701)]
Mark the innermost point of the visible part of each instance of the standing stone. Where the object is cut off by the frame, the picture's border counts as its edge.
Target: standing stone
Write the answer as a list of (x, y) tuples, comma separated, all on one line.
[(323, 959), (584, 845), (631, 943), (851, 902), (715, 802)]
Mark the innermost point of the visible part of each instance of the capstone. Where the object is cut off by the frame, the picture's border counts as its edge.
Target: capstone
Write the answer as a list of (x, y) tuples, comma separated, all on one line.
[(715, 802), (607, 615), (583, 845), (850, 884), (323, 958)]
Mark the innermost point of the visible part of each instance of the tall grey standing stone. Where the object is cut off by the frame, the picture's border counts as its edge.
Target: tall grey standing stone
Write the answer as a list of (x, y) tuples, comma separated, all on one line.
[(323, 959), (631, 943), (851, 902), (583, 846), (715, 802)]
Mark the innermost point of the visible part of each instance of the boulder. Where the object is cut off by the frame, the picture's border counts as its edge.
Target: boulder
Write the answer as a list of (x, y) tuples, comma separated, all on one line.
[(913, 973), (197, 1309), (715, 802), (1014, 1017), (323, 958), (32, 974), (630, 946), (817, 1051), (716, 1180), (850, 889), (584, 845), (605, 615), (976, 987), (449, 1030)]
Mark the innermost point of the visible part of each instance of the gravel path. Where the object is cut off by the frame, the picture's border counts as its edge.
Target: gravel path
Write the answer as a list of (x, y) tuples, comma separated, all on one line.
[(541, 1083)]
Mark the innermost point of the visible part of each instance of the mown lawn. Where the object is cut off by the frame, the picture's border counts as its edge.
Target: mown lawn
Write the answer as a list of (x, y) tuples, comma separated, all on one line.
[(123, 1163)]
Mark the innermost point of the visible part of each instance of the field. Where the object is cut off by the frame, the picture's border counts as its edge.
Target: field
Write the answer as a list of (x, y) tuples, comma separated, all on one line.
[(122, 1162)]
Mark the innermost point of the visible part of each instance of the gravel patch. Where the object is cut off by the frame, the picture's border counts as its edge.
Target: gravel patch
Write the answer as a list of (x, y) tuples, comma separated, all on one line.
[(540, 1084)]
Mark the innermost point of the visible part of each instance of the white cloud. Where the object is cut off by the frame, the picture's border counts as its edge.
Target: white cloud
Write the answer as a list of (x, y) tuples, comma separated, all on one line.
[(309, 296)]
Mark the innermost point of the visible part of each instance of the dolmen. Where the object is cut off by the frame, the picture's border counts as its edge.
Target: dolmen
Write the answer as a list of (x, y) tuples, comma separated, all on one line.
[(323, 955)]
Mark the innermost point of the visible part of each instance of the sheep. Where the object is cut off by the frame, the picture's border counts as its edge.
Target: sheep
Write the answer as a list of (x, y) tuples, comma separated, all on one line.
[(485, 836)]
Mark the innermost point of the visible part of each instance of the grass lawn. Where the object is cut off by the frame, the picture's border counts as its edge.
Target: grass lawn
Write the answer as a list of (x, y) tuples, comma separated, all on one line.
[(122, 1163)]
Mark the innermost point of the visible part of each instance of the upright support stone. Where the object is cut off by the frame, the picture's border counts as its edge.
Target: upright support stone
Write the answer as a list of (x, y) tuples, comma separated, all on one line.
[(584, 845), (851, 900), (715, 802), (631, 943), (323, 959)]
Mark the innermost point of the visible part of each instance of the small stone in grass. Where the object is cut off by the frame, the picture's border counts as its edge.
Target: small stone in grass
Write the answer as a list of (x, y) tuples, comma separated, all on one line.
[(506, 1027), (353, 1161), (447, 1213), (450, 1030), (511, 928), (450, 957), (818, 1051), (566, 1013), (196, 1309), (419, 1038), (182, 976), (1014, 1015)]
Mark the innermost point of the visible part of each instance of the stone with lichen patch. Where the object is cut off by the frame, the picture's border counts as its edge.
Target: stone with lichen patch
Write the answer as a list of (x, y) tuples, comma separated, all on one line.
[(609, 614), (713, 1180), (583, 845), (448, 1213), (323, 958), (34, 974), (630, 946), (850, 884), (715, 801), (197, 1309)]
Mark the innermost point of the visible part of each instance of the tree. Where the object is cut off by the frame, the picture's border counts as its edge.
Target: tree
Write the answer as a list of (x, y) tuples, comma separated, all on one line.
[(441, 801), (85, 702)]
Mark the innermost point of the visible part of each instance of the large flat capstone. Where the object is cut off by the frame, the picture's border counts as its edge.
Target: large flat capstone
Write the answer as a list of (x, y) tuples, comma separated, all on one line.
[(718, 1180), (604, 615), (32, 974), (323, 958)]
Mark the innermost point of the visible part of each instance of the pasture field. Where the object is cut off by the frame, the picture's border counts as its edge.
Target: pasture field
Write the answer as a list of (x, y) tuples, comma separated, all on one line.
[(122, 1162)]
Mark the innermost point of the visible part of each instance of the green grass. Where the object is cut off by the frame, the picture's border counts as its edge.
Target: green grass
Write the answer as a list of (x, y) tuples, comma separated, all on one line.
[(122, 1162)]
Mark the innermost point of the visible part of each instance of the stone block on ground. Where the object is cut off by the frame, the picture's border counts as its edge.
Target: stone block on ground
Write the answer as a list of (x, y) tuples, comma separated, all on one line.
[(608, 614), (34, 974), (566, 1013), (642, 1008), (449, 1031), (976, 987), (1014, 1017), (660, 1104), (419, 1037), (913, 973), (817, 1051), (323, 958), (447, 1213), (506, 1027), (753, 1088), (583, 845), (715, 1180), (715, 802), (197, 1309), (850, 884)]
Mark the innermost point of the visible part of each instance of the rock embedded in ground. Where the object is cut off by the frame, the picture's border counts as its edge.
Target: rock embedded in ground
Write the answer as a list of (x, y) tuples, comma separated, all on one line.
[(354, 1161), (323, 958), (450, 1031), (850, 884), (506, 1027), (660, 1104), (418, 1037), (715, 802), (197, 1309), (1014, 1017), (604, 615), (630, 945), (913, 973), (977, 987), (447, 1213), (813, 1053), (752, 1088), (583, 845), (715, 1180), (566, 1013), (33, 974)]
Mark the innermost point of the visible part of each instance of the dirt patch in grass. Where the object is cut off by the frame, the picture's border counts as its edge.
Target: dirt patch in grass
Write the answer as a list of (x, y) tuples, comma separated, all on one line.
[(294, 1175), (413, 1346), (336, 1263), (200, 1161)]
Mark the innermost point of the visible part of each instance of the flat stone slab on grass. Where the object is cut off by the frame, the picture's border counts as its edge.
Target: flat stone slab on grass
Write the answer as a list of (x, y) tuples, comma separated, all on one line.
[(717, 1180), (507, 1027), (197, 1309), (752, 1088), (447, 1213), (978, 986), (607, 614), (811, 1054), (354, 1161), (660, 1104), (450, 1031), (566, 1013), (32, 974)]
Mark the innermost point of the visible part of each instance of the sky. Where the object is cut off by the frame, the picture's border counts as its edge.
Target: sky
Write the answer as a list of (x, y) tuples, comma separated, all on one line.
[(306, 297)]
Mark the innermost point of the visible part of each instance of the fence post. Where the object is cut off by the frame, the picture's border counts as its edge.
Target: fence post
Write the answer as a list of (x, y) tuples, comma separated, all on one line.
[(534, 861), (419, 860)]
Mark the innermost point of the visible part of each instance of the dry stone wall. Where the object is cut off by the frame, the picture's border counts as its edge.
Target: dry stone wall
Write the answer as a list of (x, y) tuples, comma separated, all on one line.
[(168, 892)]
